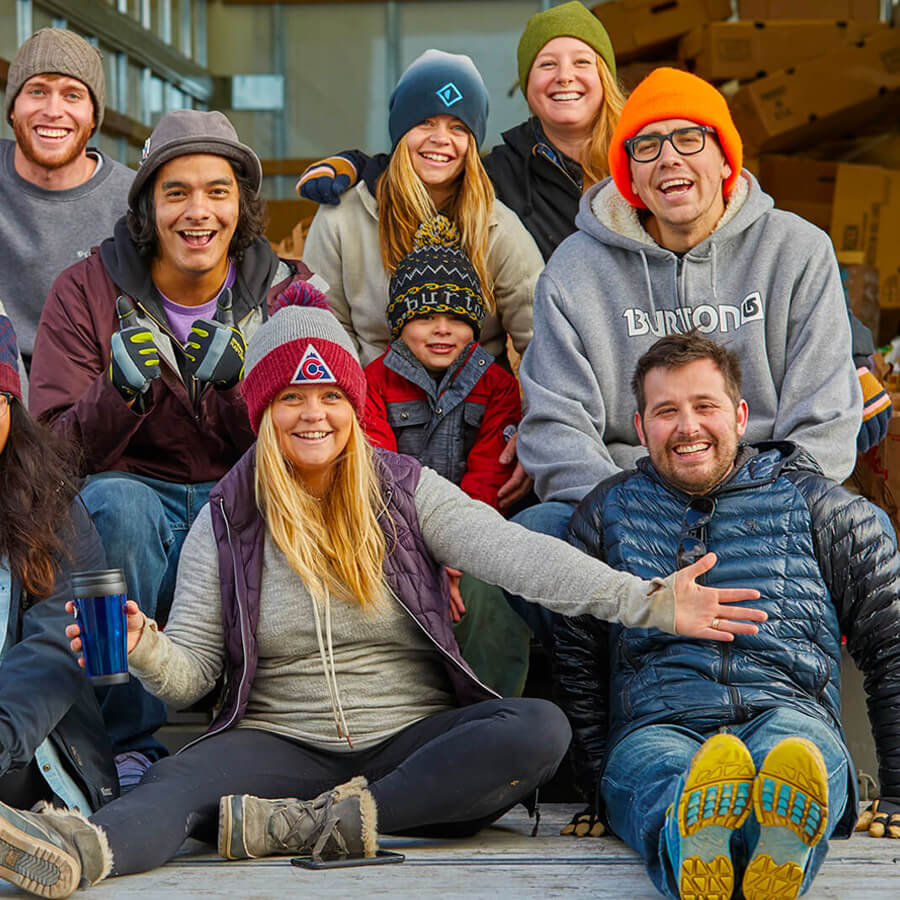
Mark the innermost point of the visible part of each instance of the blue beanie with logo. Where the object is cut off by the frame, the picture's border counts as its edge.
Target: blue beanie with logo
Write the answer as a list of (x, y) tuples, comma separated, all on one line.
[(435, 83)]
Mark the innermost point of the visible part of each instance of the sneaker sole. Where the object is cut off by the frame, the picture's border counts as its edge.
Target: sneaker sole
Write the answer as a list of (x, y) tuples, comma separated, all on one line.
[(36, 866), (231, 842), (790, 802), (714, 802)]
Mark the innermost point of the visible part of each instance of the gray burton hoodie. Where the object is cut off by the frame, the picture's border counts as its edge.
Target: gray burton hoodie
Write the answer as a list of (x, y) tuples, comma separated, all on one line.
[(765, 284)]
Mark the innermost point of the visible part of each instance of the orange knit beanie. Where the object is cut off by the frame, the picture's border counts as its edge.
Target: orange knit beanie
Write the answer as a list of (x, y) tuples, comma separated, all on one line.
[(672, 94)]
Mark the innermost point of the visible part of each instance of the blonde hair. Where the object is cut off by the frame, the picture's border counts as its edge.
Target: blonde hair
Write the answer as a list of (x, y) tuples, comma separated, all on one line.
[(404, 204), (595, 155), (335, 544)]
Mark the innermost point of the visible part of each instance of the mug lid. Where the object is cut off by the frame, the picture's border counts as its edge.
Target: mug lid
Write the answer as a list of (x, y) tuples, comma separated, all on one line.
[(98, 582)]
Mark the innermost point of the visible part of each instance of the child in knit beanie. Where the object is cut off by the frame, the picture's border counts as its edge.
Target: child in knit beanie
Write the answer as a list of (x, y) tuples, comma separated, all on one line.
[(436, 394)]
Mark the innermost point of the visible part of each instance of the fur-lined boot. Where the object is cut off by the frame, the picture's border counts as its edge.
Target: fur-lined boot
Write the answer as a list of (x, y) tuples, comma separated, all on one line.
[(342, 822), (47, 852)]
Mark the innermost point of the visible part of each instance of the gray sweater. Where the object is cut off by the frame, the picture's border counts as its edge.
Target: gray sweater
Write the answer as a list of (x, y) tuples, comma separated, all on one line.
[(387, 673), (44, 232), (765, 284)]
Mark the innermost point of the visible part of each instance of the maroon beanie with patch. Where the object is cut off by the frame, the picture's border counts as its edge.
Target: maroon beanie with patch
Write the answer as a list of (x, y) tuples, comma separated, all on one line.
[(300, 345)]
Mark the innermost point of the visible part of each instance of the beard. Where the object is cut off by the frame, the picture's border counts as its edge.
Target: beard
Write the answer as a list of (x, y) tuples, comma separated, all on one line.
[(50, 159), (696, 479)]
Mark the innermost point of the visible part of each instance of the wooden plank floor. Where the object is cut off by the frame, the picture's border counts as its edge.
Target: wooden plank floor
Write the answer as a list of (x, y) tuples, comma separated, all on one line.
[(503, 861)]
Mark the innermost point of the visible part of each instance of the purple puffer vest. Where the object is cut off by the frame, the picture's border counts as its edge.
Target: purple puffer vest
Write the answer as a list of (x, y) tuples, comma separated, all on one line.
[(416, 580)]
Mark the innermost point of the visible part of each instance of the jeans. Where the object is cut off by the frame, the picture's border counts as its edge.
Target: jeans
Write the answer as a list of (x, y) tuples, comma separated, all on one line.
[(644, 770), (550, 518), (142, 524), (448, 774)]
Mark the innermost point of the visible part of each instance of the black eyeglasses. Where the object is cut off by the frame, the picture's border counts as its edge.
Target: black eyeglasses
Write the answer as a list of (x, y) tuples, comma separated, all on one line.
[(7, 398), (697, 515), (687, 141)]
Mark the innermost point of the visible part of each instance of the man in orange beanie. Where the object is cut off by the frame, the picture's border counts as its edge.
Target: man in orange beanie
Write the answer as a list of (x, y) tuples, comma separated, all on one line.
[(680, 238)]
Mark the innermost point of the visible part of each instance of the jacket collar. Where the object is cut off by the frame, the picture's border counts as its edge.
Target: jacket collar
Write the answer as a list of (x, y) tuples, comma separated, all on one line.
[(755, 465)]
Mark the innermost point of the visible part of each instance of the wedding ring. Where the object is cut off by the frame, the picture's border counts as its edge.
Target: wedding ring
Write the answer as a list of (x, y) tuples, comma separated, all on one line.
[(715, 623)]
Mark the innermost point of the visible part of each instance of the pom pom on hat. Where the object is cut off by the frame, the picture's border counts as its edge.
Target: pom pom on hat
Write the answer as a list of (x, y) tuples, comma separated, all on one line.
[(435, 277), (300, 344), (668, 93)]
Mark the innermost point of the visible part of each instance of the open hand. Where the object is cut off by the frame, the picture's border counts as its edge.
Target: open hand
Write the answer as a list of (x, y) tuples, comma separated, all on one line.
[(134, 622), (699, 610), (519, 483)]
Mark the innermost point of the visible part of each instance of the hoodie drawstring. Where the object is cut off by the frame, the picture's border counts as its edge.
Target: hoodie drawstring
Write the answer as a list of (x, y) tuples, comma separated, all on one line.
[(649, 283), (337, 709), (713, 273)]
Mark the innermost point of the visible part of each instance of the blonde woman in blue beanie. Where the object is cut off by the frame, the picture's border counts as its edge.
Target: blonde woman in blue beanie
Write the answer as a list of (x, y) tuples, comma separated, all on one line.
[(567, 73), (436, 119)]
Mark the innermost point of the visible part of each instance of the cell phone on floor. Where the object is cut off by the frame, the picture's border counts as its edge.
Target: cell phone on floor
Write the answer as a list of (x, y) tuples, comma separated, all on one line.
[(381, 858)]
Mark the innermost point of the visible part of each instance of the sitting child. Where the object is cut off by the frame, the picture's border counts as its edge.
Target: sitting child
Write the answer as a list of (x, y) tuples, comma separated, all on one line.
[(436, 394)]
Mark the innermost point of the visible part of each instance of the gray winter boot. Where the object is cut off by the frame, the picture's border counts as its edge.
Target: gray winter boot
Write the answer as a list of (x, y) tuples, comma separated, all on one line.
[(49, 851), (340, 822)]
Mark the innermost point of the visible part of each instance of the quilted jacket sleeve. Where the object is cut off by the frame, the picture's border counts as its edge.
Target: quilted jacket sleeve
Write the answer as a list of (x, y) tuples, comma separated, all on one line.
[(581, 672), (857, 559)]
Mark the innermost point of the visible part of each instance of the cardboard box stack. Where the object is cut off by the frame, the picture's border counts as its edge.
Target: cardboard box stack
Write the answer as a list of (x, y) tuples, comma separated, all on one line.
[(814, 89), (647, 29)]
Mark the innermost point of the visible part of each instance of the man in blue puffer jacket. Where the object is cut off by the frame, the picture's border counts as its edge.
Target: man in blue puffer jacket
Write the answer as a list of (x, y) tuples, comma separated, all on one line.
[(721, 761)]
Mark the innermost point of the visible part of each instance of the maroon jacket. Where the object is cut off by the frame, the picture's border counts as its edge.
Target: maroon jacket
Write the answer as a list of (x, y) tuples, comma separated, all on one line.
[(70, 386), (416, 580)]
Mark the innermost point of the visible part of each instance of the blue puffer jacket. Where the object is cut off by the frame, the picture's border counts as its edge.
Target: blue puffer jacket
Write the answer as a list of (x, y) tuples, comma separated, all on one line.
[(823, 566)]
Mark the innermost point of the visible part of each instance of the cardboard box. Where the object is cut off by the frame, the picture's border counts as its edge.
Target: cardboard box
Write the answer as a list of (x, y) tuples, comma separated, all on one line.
[(826, 97), (633, 73), (799, 185), (865, 224), (859, 10), (640, 27), (720, 51), (881, 150)]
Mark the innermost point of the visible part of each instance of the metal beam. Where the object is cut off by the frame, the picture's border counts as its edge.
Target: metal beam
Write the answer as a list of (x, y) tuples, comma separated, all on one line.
[(120, 31)]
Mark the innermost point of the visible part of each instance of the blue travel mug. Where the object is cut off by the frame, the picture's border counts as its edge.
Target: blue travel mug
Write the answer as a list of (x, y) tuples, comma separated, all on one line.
[(100, 611)]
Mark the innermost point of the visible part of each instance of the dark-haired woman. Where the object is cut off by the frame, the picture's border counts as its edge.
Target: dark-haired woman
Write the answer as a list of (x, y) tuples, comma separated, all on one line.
[(52, 745), (137, 360)]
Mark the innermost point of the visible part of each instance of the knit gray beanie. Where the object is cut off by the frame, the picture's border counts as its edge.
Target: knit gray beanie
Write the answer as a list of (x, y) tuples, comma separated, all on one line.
[(56, 51)]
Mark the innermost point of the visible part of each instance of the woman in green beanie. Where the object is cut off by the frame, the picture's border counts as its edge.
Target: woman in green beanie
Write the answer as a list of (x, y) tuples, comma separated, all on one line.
[(567, 73)]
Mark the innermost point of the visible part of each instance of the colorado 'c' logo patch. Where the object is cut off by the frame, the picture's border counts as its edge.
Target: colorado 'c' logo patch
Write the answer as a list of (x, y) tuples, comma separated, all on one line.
[(313, 368)]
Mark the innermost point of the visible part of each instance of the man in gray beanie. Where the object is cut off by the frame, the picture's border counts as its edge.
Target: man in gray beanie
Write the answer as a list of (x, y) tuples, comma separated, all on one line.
[(58, 197), (138, 358)]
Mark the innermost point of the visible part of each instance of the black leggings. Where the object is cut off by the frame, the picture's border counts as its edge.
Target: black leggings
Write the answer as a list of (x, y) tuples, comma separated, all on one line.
[(453, 772)]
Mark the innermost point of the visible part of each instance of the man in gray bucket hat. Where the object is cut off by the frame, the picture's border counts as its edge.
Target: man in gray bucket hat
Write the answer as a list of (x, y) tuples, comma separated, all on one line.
[(139, 355), (58, 195)]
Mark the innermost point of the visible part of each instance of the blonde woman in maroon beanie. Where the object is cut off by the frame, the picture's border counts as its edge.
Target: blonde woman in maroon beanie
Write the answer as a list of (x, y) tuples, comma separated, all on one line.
[(313, 582)]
